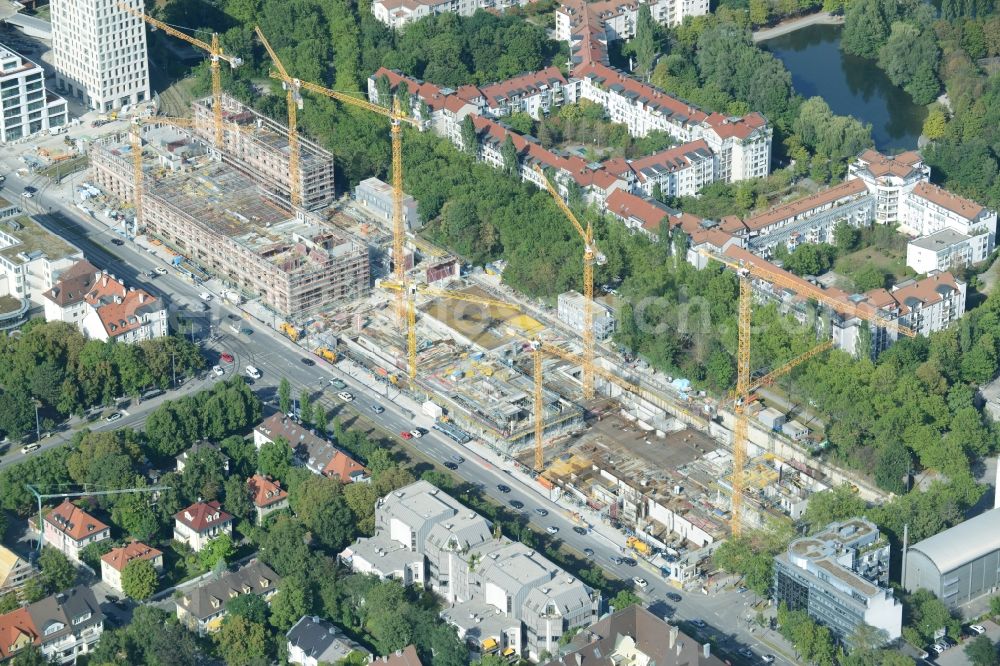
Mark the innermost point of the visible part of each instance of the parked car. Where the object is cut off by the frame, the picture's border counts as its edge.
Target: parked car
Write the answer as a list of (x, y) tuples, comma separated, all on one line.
[(160, 270), (674, 597), (552, 529), (541, 512), (502, 488), (218, 371), (338, 384), (117, 241), (582, 531), (28, 448), (699, 623), (589, 552), (252, 372), (977, 629), (640, 582), (346, 396), (449, 464), (113, 417), (745, 652), (517, 504)]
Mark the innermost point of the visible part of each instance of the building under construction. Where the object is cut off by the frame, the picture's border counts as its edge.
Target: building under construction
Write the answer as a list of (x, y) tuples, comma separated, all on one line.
[(261, 152), (226, 223)]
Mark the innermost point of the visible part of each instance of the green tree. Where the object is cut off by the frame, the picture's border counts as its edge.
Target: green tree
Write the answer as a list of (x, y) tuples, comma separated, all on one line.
[(935, 124), (760, 12), (293, 600), (982, 652), (241, 642), (624, 599), (238, 498), (839, 503), (319, 503), (645, 44), (846, 237), (58, 573), (283, 546), (91, 553), (30, 656), (285, 396), (305, 407), (275, 459), (9, 602), (139, 579), (470, 138), (509, 154), (219, 549), (251, 607), (894, 463)]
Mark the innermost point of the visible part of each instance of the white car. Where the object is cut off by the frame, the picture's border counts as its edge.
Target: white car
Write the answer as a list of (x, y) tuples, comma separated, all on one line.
[(218, 371), (977, 629), (26, 194), (345, 396), (552, 529), (640, 583), (160, 270), (205, 296), (253, 372), (417, 434)]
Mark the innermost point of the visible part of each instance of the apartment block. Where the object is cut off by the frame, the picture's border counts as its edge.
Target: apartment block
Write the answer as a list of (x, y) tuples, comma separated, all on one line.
[(534, 93), (680, 171), (376, 197), (313, 641), (15, 571), (27, 107), (618, 18), (741, 146), (946, 250), (100, 52), (260, 151), (840, 577), (31, 257), (811, 219), (397, 14), (66, 625), (927, 209), (889, 179), (200, 523), (222, 221), (114, 562), (500, 593), (569, 308), (202, 608), (69, 529)]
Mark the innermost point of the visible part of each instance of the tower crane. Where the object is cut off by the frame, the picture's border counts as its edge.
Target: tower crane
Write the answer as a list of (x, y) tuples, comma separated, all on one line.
[(747, 270), (591, 255), (217, 55), (294, 103), (43, 496)]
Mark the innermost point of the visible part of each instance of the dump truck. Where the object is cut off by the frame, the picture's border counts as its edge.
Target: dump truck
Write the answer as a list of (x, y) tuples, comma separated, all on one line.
[(638, 545), (327, 354), (291, 330)]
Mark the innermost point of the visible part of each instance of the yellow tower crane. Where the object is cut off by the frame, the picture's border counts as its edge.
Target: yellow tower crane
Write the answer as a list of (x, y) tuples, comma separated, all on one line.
[(591, 255), (747, 271), (217, 55), (294, 103)]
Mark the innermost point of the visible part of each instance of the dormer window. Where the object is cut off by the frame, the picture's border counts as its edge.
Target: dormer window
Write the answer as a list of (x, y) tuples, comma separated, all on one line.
[(247, 589), (265, 583), (81, 618), (54, 628), (216, 602)]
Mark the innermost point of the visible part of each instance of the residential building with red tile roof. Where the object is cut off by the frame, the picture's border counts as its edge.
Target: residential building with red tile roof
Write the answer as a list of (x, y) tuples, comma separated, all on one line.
[(679, 171), (310, 450), (889, 178), (17, 631), (64, 301), (534, 93), (928, 208), (70, 529), (268, 495), (125, 315), (618, 18), (346, 468), (741, 145), (405, 657), (200, 523), (397, 14), (113, 563)]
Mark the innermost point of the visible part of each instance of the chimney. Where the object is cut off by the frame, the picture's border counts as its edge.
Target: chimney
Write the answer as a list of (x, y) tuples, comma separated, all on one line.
[(142, 297), (673, 635), (104, 280), (706, 650)]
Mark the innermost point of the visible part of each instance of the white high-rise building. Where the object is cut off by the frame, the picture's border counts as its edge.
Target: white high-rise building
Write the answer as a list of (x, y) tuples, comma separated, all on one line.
[(27, 107), (100, 52)]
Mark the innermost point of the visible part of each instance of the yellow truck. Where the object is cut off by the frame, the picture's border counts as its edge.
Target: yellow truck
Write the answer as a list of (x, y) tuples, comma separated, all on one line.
[(292, 331), (327, 354), (638, 545)]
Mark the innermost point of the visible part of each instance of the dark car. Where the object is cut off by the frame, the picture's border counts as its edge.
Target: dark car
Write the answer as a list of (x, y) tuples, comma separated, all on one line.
[(673, 596), (580, 530), (502, 488), (307, 361), (117, 241), (615, 559), (589, 552), (517, 504), (450, 465), (378, 409), (541, 512), (629, 561)]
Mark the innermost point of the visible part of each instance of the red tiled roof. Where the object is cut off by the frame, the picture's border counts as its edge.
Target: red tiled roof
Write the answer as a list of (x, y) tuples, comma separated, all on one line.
[(405, 657), (344, 467), (648, 95), (428, 92), (526, 84), (13, 625), (74, 522), (928, 291), (625, 206), (265, 491), (125, 314), (900, 165), (741, 128), (967, 208), (118, 558), (203, 515), (792, 209), (670, 160)]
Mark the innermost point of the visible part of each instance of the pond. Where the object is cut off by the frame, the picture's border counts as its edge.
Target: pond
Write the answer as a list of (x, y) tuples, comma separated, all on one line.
[(850, 85)]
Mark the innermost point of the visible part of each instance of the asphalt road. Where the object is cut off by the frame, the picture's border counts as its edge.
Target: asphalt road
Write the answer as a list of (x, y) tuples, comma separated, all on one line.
[(277, 357)]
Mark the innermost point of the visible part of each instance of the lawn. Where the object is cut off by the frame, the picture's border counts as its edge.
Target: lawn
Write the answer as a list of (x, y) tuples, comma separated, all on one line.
[(881, 260)]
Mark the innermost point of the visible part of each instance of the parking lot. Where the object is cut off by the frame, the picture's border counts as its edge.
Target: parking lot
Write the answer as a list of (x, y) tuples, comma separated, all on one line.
[(956, 655)]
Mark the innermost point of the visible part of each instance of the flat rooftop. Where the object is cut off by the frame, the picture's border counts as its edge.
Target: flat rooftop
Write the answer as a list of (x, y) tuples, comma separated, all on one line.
[(481, 324), (29, 238), (939, 240)]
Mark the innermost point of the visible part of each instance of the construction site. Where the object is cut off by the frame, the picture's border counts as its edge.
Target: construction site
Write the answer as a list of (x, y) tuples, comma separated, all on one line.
[(230, 225)]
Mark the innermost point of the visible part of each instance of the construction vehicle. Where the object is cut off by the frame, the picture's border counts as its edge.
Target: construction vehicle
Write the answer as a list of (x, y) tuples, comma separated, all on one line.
[(214, 50), (591, 256), (291, 330), (327, 354), (638, 545)]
